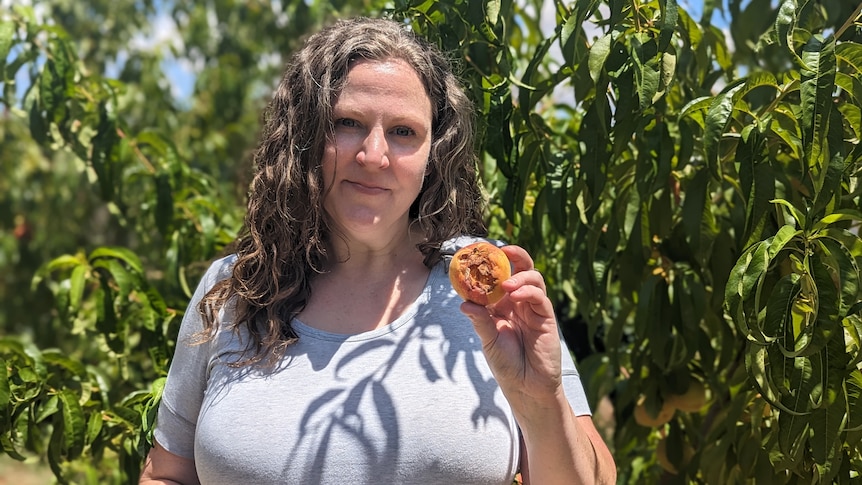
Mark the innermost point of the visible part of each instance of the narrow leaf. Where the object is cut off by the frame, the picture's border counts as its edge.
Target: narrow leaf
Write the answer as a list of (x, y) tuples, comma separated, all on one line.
[(5, 393), (850, 53), (76, 288), (696, 110), (7, 30), (794, 212), (717, 118), (73, 423), (121, 253), (818, 82), (598, 55), (781, 238)]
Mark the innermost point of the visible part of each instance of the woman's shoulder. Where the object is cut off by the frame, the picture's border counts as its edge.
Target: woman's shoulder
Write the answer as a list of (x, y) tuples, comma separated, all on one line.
[(218, 270), (449, 246)]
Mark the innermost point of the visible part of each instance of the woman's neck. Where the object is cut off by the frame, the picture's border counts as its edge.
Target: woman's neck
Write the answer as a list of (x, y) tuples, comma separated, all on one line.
[(378, 256)]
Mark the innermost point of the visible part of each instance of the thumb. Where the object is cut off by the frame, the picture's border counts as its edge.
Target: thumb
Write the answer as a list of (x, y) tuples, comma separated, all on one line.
[(483, 323)]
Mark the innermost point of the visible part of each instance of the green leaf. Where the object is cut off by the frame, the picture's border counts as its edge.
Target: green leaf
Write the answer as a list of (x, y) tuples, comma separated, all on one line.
[(120, 275), (669, 18), (558, 186), (757, 181), (668, 72), (56, 357), (599, 54), (786, 129), (49, 408), (525, 95), (76, 289), (104, 142), (784, 235), (717, 118), (7, 30), (647, 70), (695, 208), (798, 216), (73, 423), (854, 400), (9, 447), (121, 253), (492, 11), (778, 309), (696, 110), (839, 215), (5, 393), (853, 116), (755, 270), (756, 80), (852, 85), (818, 82), (784, 23), (760, 369), (844, 270), (569, 27), (95, 423), (850, 53), (164, 203)]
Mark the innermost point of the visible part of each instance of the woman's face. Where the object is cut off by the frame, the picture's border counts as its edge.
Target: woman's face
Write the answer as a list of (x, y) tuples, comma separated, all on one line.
[(374, 169)]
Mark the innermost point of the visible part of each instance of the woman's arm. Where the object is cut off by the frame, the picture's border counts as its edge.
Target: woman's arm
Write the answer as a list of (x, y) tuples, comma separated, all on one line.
[(165, 468), (566, 451), (521, 343)]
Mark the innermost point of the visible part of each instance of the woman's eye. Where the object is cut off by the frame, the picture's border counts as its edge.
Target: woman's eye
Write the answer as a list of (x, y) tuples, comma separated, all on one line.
[(346, 122), (403, 131)]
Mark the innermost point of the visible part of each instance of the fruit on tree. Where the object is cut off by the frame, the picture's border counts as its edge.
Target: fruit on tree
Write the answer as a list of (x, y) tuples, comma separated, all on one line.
[(477, 271), (692, 400), (644, 418)]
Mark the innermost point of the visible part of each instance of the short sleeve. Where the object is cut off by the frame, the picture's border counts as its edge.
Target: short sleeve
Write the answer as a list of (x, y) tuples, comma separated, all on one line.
[(572, 385), (187, 376)]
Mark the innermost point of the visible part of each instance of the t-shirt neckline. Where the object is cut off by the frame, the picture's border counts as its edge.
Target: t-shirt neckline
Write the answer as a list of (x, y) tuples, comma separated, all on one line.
[(406, 316)]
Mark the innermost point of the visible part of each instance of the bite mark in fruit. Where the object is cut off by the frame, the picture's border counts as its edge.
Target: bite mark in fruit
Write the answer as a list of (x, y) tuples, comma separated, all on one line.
[(477, 271)]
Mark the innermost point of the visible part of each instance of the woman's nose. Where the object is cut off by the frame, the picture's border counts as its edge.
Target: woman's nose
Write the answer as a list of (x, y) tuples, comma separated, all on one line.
[(374, 150)]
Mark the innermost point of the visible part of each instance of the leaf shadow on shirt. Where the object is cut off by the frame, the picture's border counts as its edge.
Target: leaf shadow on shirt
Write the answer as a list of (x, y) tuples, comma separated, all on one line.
[(444, 342)]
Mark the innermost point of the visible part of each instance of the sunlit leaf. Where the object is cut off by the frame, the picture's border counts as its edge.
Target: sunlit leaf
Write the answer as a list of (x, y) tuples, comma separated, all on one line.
[(7, 30), (850, 53), (818, 82), (598, 55), (716, 120), (120, 253), (797, 215)]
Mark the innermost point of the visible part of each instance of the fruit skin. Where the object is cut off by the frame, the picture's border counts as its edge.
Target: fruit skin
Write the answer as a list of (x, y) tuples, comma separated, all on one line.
[(693, 399), (643, 417), (477, 271)]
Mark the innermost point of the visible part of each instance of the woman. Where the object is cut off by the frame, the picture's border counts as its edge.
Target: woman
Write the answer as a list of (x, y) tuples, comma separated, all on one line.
[(331, 348)]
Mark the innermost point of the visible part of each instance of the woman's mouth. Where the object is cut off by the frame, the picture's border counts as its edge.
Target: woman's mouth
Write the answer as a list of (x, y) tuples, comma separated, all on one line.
[(365, 188)]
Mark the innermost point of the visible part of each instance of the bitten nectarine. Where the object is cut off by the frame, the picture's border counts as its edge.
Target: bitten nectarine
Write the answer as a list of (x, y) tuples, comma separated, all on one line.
[(476, 272)]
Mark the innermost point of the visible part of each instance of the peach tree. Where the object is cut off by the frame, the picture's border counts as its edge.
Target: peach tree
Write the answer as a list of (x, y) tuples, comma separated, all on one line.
[(688, 184)]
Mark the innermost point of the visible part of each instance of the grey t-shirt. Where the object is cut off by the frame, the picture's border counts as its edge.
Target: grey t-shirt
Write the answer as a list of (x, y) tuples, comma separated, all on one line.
[(413, 402)]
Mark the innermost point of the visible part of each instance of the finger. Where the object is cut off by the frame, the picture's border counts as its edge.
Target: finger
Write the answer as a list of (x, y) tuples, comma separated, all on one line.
[(519, 257), (536, 299), (525, 278)]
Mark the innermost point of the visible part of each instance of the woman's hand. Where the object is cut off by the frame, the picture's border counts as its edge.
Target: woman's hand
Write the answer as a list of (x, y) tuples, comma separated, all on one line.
[(521, 343), (519, 335)]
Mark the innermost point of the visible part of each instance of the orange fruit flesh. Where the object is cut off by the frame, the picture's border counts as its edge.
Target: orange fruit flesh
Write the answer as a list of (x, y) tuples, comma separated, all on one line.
[(476, 272)]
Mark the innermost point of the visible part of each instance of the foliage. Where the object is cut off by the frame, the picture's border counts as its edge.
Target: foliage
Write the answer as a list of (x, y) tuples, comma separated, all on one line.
[(695, 205)]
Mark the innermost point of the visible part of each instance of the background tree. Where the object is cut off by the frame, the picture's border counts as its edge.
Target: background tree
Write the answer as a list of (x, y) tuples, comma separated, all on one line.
[(691, 194)]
